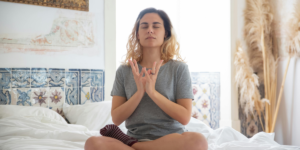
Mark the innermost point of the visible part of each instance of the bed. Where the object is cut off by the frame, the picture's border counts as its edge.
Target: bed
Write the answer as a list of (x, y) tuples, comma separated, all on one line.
[(33, 128)]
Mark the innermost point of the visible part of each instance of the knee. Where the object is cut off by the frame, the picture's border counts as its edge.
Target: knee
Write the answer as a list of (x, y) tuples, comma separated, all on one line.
[(90, 143), (93, 143), (195, 141)]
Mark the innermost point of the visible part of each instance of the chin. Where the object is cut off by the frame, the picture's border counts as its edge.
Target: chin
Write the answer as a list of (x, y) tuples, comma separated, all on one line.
[(151, 45)]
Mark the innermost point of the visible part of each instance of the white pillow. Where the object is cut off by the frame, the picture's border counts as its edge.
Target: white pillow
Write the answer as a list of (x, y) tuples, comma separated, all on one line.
[(96, 115), (92, 115), (29, 111), (72, 112)]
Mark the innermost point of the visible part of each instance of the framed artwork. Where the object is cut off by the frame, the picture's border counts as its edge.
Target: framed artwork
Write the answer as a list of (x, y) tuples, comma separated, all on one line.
[(82, 5)]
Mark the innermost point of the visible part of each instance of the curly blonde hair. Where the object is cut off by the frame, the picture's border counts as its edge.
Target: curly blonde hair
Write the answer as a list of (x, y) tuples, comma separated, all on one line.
[(169, 48)]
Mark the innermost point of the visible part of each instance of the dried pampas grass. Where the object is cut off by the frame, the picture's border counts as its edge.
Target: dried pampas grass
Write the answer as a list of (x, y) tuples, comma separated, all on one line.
[(258, 19), (292, 48), (293, 33), (258, 34), (247, 81)]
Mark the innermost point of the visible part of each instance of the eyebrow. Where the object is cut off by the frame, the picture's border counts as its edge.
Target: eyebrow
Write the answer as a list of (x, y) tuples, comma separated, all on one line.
[(153, 23)]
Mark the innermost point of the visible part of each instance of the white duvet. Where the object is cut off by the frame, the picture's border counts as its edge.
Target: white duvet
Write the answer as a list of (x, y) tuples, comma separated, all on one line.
[(37, 128), (36, 132), (39, 132)]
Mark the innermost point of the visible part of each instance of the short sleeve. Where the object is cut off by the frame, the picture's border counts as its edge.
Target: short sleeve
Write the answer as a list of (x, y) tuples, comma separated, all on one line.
[(118, 87), (184, 83)]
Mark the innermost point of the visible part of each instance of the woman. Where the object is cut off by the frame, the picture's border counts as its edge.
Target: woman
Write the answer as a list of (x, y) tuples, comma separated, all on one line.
[(152, 93)]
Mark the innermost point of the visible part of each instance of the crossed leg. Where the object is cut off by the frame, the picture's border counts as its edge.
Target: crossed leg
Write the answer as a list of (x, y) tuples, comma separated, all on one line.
[(175, 141)]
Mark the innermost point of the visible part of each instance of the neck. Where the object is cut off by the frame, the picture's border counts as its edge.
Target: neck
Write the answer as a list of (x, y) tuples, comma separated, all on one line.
[(150, 55)]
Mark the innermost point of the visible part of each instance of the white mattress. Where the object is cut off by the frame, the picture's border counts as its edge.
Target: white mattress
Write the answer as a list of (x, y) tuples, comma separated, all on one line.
[(37, 132)]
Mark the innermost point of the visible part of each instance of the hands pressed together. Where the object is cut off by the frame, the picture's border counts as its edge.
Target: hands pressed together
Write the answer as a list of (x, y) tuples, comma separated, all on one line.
[(146, 83)]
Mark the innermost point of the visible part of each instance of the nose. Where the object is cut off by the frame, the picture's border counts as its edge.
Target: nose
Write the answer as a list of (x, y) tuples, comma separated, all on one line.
[(150, 30)]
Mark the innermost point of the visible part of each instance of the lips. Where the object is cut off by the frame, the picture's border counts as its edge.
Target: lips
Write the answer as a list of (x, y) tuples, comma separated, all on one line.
[(150, 38)]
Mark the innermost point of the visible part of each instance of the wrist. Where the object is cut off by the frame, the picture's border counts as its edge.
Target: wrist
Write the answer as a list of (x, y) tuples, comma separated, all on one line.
[(140, 93), (153, 94)]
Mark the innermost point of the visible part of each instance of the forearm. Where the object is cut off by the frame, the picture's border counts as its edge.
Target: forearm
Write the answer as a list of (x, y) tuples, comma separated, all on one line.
[(174, 110), (122, 112)]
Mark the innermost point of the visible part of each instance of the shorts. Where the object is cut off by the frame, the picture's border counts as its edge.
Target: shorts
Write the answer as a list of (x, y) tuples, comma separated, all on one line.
[(144, 140)]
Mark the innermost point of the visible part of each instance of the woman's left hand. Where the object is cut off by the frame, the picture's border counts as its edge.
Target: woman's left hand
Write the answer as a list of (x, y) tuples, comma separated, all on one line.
[(151, 77)]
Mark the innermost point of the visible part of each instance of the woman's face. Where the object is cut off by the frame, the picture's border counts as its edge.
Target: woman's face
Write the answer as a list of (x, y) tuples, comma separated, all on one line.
[(151, 32)]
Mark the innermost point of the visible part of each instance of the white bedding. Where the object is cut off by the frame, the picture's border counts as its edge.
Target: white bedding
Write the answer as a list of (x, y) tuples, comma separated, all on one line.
[(41, 133), (36, 132)]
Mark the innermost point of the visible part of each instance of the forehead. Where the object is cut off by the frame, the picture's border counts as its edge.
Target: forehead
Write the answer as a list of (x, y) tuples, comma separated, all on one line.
[(150, 18)]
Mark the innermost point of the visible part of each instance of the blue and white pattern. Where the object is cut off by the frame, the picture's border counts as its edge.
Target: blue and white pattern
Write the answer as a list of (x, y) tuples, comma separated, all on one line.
[(97, 77), (97, 94), (5, 97), (23, 96), (73, 78), (85, 77), (97, 85), (20, 77), (72, 96), (5, 76), (39, 78), (85, 95), (5, 94), (22, 86), (206, 104), (72, 86), (56, 77)]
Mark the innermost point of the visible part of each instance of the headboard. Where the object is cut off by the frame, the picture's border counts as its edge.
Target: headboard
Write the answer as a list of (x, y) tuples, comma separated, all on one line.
[(50, 87)]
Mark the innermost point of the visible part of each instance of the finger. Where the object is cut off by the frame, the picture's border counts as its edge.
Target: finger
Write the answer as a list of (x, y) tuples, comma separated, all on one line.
[(144, 71), (149, 71), (146, 74), (153, 68), (141, 74), (132, 67), (136, 66), (158, 66)]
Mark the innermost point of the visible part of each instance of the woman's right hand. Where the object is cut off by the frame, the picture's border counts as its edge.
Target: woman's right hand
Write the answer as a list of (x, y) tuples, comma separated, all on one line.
[(140, 81)]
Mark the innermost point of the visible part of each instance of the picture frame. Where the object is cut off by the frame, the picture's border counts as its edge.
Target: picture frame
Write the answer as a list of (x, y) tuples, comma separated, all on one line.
[(81, 5)]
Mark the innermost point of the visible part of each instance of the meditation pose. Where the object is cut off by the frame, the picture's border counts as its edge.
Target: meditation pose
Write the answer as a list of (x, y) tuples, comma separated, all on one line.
[(152, 93)]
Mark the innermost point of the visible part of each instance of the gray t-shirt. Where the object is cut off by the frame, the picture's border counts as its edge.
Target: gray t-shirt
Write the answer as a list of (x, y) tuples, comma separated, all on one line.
[(148, 121)]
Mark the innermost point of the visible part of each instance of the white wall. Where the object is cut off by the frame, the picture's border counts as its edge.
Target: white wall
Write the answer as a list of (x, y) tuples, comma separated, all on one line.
[(110, 46), (287, 129), (235, 122), (205, 38)]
